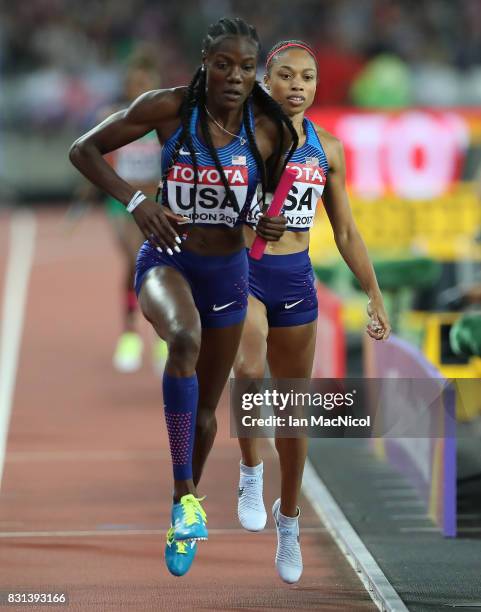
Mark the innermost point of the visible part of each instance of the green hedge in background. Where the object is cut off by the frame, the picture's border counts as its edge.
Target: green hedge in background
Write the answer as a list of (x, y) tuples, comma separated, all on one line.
[(465, 335), (414, 273)]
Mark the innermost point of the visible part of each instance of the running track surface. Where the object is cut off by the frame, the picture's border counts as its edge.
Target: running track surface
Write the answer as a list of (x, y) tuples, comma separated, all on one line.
[(85, 497)]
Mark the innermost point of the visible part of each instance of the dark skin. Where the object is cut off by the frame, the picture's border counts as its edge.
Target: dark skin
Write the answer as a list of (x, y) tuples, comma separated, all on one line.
[(230, 66), (165, 298)]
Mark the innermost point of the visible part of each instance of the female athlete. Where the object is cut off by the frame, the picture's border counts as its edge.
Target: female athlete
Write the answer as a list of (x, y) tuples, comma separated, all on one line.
[(282, 312), (221, 135), (139, 164)]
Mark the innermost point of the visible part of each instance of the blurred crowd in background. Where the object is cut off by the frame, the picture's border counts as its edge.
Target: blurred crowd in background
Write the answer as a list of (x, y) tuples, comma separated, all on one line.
[(414, 177), (60, 61)]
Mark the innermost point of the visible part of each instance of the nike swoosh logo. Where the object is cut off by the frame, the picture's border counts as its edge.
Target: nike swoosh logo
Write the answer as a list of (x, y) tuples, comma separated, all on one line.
[(183, 151), (287, 306), (217, 308)]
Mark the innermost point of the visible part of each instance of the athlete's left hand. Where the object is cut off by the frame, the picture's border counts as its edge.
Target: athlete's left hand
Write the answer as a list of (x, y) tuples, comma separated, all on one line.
[(378, 326), (271, 228)]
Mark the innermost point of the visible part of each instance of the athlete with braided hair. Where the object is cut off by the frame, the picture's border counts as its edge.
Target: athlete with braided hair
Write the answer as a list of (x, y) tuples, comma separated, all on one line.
[(282, 313), (221, 136)]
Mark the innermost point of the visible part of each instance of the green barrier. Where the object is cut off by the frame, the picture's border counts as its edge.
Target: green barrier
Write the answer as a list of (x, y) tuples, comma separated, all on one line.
[(325, 274), (465, 335), (397, 278), (414, 273)]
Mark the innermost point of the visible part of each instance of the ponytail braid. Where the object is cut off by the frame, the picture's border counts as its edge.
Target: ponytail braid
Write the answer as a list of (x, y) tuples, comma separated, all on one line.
[(196, 96), (273, 110), (186, 111)]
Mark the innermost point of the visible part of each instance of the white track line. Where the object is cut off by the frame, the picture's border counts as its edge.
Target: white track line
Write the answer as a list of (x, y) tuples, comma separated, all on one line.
[(352, 547), (124, 532), (79, 456), (350, 544), (98, 455), (19, 264)]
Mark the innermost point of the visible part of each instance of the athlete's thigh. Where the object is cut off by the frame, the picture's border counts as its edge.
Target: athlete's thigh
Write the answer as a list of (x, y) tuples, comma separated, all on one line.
[(290, 350), (217, 352), (166, 301), (251, 356)]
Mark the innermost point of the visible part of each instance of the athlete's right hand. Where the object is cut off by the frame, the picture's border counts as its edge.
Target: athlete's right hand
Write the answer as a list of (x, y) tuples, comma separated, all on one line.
[(271, 228), (157, 224)]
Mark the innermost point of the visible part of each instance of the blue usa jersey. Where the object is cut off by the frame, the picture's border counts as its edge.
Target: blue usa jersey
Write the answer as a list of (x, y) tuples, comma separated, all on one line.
[(211, 206), (310, 165)]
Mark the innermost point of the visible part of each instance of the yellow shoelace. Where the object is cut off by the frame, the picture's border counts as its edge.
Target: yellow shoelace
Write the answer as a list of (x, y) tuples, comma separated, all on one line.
[(192, 508), (180, 544)]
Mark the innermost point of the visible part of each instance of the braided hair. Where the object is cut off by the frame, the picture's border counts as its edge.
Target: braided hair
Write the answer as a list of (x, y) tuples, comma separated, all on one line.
[(196, 96)]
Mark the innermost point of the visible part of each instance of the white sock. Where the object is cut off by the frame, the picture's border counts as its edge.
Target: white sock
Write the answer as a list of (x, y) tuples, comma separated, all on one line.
[(289, 521), (252, 471)]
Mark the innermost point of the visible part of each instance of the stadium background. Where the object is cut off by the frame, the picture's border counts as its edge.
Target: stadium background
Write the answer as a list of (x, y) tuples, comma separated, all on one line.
[(399, 83), (400, 87)]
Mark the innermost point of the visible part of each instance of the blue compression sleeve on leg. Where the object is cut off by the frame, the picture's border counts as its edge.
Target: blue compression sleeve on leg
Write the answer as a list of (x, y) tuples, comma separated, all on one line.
[(180, 403)]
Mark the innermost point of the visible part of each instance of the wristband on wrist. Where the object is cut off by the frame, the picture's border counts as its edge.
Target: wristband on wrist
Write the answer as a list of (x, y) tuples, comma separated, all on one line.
[(136, 199)]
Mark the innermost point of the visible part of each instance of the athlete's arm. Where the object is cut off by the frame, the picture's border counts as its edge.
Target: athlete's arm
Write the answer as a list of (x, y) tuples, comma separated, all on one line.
[(348, 240), (154, 110)]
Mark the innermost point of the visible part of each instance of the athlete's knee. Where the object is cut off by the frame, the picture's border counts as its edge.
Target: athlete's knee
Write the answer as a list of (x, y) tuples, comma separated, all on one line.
[(281, 445), (184, 347), (206, 423), (248, 368)]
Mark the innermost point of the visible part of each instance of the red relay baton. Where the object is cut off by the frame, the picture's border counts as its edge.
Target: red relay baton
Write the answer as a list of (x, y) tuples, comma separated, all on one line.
[(287, 179)]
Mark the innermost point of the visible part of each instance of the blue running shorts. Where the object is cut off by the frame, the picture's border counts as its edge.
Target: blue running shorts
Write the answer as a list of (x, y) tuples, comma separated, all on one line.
[(285, 284), (218, 283)]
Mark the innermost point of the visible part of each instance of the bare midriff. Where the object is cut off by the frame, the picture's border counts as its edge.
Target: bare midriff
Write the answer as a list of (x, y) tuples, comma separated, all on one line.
[(291, 242), (213, 241)]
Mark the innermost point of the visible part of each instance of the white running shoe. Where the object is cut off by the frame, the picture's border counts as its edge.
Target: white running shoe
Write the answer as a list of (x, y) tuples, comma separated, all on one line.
[(288, 555), (250, 505)]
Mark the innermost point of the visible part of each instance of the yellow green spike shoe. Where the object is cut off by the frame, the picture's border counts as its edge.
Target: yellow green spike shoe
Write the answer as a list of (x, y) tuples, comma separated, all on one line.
[(128, 352), (189, 519), (160, 352), (179, 554)]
